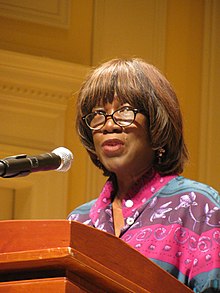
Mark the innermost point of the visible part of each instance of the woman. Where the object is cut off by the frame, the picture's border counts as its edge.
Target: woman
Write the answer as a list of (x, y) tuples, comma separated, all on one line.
[(129, 121)]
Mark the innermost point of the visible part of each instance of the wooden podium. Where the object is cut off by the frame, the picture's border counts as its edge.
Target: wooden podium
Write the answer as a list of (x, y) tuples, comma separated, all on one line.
[(61, 256)]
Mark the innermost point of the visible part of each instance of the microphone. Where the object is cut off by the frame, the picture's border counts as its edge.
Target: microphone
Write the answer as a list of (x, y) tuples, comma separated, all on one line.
[(59, 159)]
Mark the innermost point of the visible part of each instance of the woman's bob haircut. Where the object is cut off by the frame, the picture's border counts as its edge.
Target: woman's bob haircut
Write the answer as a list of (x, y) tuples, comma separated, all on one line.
[(141, 85)]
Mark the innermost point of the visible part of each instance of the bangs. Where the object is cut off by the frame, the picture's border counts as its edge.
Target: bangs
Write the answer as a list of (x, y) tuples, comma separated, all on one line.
[(113, 82)]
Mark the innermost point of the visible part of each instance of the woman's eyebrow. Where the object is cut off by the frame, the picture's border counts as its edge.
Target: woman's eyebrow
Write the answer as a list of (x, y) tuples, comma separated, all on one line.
[(98, 108)]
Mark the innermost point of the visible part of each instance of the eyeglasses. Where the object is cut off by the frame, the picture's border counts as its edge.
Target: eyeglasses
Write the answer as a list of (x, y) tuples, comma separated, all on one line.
[(123, 117)]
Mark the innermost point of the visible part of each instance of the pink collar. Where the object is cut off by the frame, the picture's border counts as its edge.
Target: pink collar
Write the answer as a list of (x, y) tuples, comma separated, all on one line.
[(137, 196)]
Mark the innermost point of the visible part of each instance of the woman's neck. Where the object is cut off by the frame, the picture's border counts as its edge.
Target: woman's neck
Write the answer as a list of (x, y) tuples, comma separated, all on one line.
[(126, 182)]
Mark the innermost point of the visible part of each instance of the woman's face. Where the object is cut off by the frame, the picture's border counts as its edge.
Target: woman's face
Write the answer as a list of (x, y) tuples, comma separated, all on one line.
[(123, 150)]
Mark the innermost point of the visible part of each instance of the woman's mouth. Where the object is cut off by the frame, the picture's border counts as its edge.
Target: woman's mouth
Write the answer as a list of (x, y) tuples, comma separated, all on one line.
[(112, 146)]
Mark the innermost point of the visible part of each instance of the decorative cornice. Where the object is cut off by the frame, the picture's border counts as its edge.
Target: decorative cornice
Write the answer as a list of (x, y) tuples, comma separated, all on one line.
[(34, 77), (37, 94)]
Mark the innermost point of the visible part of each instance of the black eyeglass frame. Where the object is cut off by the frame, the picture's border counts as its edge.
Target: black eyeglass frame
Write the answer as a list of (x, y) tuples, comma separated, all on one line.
[(134, 110)]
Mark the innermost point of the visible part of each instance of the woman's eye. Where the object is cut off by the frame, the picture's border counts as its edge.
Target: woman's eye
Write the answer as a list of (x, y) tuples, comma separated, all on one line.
[(126, 112), (100, 112)]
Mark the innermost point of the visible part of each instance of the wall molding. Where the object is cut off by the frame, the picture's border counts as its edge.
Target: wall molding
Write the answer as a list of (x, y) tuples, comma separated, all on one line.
[(52, 13), (107, 44), (36, 89), (47, 79), (209, 160), (34, 97), (159, 34)]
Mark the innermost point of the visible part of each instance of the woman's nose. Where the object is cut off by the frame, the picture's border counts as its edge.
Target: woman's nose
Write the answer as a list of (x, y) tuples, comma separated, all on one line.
[(110, 125)]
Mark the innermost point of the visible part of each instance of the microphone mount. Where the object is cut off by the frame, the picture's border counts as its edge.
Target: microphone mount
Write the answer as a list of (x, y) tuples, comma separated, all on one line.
[(59, 159)]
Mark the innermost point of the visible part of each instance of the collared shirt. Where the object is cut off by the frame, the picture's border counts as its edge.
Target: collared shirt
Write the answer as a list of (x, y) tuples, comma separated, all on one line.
[(171, 220)]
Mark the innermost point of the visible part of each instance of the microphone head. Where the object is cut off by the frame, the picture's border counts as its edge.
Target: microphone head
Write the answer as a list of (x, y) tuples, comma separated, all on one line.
[(66, 158)]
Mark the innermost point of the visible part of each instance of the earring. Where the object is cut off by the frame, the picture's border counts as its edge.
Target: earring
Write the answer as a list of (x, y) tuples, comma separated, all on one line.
[(99, 164), (161, 152)]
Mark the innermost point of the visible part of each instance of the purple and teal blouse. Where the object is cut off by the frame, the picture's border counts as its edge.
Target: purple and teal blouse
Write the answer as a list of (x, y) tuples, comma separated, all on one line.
[(171, 220)]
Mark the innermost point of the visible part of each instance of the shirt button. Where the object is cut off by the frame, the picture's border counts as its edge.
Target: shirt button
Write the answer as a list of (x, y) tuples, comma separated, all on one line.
[(130, 221), (129, 203)]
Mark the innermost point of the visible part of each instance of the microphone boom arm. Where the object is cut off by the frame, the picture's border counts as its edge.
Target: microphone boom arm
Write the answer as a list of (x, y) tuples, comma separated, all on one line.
[(23, 165)]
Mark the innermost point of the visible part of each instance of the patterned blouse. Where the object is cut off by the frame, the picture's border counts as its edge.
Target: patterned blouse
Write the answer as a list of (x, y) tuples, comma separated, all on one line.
[(171, 220)]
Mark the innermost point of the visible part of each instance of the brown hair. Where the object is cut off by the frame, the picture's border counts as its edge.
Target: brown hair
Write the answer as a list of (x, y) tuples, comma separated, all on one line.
[(141, 85)]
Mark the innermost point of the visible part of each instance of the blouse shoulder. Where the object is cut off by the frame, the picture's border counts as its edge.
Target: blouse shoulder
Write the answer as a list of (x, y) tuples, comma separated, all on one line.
[(181, 184), (83, 209)]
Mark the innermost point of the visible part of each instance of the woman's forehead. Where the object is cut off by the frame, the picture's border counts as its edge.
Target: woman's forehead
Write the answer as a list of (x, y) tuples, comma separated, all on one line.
[(112, 101), (114, 104)]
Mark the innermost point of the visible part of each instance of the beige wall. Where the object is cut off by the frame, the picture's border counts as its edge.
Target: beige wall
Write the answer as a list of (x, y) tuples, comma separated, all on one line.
[(180, 37), (184, 61)]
